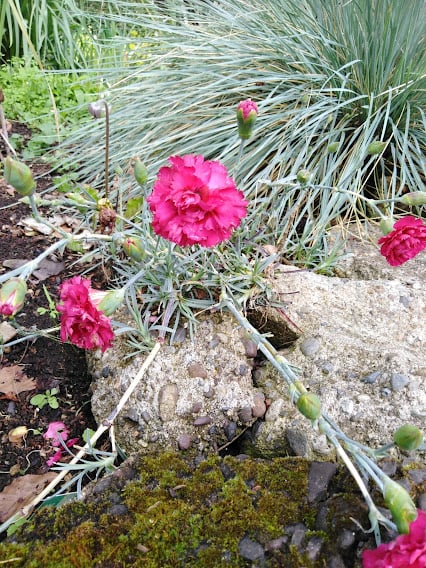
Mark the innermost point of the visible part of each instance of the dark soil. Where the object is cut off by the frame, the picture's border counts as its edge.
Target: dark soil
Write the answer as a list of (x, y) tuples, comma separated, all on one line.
[(49, 362)]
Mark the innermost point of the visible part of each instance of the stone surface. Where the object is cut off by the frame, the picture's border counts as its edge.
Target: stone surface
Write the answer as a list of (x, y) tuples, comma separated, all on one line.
[(368, 360), (170, 407), (359, 343)]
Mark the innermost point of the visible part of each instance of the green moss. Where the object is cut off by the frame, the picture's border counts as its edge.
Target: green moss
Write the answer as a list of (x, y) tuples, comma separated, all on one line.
[(178, 515)]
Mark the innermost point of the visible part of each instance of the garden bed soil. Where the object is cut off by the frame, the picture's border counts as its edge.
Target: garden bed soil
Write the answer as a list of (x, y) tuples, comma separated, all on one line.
[(47, 362)]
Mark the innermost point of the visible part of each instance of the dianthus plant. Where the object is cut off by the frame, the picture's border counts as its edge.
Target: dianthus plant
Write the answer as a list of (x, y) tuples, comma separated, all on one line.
[(179, 248)]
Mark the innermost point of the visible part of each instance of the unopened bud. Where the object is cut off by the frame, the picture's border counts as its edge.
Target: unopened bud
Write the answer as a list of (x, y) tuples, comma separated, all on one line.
[(414, 198), (408, 437), (376, 147), (140, 172), (332, 147), (12, 296), (19, 176), (303, 176), (134, 248), (400, 504), (309, 405), (111, 301), (386, 225), (97, 109), (247, 112)]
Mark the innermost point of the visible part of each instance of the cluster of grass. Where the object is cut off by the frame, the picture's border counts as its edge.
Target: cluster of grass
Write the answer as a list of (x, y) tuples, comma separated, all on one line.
[(341, 92)]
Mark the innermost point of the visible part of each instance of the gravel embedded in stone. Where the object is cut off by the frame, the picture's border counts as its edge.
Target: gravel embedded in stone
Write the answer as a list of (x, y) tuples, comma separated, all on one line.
[(184, 441), (250, 347), (399, 381), (197, 370), (245, 415), (230, 431), (309, 346), (167, 400), (202, 421), (250, 549), (372, 377), (259, 408)]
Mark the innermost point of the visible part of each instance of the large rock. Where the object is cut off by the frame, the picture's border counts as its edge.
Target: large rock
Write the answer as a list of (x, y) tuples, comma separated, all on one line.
[(361, 348), (362, 351)]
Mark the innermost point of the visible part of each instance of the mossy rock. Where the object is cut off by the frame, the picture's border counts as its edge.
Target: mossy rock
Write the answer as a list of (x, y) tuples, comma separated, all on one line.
[(174, 511)]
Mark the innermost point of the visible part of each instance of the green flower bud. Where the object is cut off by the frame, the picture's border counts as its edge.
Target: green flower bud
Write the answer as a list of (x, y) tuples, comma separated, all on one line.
[(309, 405), (134, 248), (19, 176), (12, 296), (111, 301), (376, 147), (386, 225), (414, 198), (408, 437), (140, 172), (400, 504), (332, 147), (303, 176)]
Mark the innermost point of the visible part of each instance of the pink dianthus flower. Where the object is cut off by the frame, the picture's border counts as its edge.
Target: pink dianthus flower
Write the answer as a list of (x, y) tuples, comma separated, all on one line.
[(55, 432), (194, 201), (406, 551), (404, 242), (81, 322)]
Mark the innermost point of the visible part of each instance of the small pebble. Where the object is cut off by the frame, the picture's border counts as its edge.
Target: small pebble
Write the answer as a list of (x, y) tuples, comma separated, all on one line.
[(250, 348), (196, 407), (327, 368), (399, 382), (184, 441), (202, 421), (118, 510), (276, 543), (250, 549), (230, 431), (197, 370), (309, 346), (167, 399), (245, 415), (313, 548), (346, 539), (259, 408), (372, 377)]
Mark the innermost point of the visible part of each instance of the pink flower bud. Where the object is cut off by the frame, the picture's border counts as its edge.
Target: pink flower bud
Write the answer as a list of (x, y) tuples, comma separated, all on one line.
[(247, 112), (134, 248), (12, 296), (19, 176)]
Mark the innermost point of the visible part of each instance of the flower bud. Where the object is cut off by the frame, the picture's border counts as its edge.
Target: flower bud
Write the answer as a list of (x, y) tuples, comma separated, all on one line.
[(386, 225), (247, 112), (400, 504), (332, 147), (12, 296), (111, 301), (309, 405), (408, 437), (134, 248), (97, 109), (303, 176), (140, 172), (376, 147), (19, 176), (414, 198)]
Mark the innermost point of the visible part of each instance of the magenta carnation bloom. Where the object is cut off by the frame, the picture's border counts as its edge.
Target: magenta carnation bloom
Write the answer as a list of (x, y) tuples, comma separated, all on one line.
[(406, 551), (194, 201), (56, 432), (81, 322), (405, 241)]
